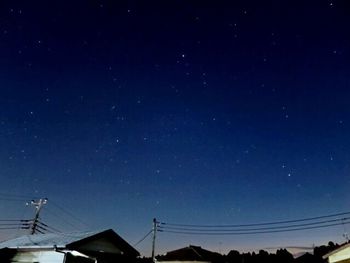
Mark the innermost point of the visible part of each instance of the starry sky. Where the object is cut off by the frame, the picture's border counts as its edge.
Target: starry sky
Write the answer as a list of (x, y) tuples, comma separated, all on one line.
[(196, 112)]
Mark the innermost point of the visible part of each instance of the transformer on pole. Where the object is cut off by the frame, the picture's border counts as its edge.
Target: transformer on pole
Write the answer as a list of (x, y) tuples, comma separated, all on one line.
[(38, 205)]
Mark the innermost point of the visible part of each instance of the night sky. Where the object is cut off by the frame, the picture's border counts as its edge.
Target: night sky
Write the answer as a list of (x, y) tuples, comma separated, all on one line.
[(194, 112)]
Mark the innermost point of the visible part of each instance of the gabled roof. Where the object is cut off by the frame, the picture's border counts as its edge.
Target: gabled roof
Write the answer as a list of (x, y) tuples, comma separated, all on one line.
[(60, 240), (74, 240), (190, 253), (342, 247)]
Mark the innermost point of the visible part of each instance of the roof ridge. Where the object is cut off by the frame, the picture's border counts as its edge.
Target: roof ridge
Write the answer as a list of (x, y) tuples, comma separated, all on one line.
[(195, 251)]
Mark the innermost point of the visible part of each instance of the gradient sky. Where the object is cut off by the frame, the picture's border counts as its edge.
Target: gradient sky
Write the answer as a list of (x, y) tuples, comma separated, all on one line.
[(192, 112)]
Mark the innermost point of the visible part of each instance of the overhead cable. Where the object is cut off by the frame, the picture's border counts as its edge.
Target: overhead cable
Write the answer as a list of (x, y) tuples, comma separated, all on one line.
[(142, 239), (342, 220), (9, 228), (77, 219), (255, 224), (49, 227), (58, 215), (194, 232)]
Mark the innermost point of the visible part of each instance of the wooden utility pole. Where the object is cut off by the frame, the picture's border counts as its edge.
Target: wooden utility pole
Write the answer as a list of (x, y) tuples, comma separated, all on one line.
[(154, 239), (38, 205)]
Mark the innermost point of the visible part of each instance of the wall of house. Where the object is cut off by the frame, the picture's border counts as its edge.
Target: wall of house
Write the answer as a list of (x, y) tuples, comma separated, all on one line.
[(341, 255), (38, 257)]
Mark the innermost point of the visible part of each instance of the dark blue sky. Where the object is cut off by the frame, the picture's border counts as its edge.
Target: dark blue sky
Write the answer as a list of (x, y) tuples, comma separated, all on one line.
[(188, 111)]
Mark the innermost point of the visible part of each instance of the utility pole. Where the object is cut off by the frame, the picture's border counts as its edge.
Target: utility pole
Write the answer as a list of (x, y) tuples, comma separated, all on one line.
[(154, 238), (38, 205)]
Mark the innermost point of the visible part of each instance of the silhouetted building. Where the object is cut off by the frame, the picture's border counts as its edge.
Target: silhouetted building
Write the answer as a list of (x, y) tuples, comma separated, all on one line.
[(190, 254), (307, 258), (339, 255), (86, 247)]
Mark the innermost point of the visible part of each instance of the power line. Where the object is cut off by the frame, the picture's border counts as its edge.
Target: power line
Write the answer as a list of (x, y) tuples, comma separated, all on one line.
[(12, 220), (142, 239), (49, 227), (257, 228), (41, 228), (77, 219), (193, 232), (256, 224), (19, 197), (10, 224), (34, 223), (22, 224), (8, 228), (39, 231), (74, 226), (253, 229), (12, 199)]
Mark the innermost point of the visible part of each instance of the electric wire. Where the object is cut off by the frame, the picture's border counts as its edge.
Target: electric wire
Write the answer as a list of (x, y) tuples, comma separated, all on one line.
[(16, 197), (257, 228), (142, 239), (12, 199), (193, 232), (62, 215), (74, 226), (37, 230), (12, 220), (25, 224), (254, 229), (256, 224), (10, 224), (49, 227), (249, 233), (77, 219), (8, 228), (40, 228)]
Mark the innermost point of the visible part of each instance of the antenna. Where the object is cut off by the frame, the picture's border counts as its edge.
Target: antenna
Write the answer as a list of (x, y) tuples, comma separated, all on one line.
[(38, 205)]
